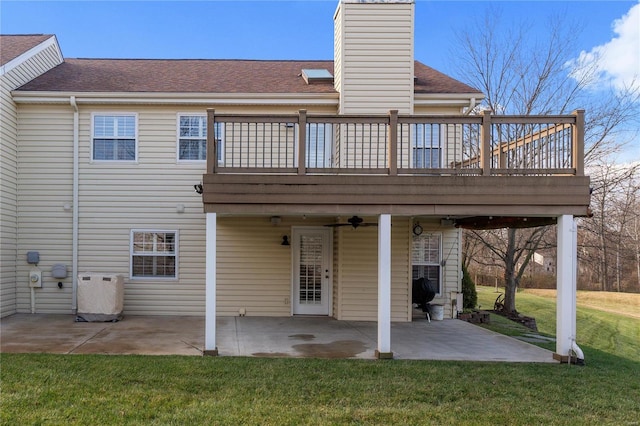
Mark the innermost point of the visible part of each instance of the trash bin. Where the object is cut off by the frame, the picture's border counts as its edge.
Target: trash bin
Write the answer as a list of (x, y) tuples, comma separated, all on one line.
[(436, 312), (100, 297)]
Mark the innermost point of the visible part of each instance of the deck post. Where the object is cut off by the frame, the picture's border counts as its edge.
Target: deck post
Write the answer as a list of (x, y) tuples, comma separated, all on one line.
[(384, 287), (302, 142), (485, 144), (578, 142), (566, 290), (212, 145), (210, 347), (392, 144)]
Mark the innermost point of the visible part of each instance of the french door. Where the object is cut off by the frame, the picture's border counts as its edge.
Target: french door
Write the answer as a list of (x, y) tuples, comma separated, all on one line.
[(311, 270)]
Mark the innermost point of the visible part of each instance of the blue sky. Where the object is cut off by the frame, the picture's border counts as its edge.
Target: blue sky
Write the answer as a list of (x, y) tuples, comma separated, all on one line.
[(244, 29), (267, 29)]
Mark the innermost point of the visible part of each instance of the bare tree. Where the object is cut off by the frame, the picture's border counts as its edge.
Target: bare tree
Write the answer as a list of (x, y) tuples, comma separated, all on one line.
[(612, 199), (523, 75), (609, 232)]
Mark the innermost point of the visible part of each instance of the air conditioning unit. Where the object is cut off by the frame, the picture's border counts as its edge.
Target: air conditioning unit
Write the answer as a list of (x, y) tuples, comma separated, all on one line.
[(100, 297)]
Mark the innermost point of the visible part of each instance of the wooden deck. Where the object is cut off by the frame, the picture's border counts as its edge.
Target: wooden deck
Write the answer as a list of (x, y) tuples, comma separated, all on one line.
[(449, 166)]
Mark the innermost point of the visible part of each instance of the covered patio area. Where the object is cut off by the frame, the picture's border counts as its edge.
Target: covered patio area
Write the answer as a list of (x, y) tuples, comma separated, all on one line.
[(296, 337)]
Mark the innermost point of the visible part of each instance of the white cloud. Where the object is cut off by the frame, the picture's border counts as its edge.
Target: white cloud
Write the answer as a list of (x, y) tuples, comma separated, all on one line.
[(616, 62)]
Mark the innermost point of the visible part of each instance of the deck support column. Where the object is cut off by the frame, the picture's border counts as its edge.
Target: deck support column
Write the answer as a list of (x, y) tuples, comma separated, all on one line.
[(384, 287), (210, 347), (567, 267)]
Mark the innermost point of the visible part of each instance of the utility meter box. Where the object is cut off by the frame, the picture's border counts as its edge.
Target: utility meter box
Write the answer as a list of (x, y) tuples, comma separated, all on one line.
[(59, 271), (35, 278), (100, 297)]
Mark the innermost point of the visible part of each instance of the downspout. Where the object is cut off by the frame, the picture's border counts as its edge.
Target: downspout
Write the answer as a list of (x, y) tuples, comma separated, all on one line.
[(578, 353), (574, 270), (74, 237), (472, 105)]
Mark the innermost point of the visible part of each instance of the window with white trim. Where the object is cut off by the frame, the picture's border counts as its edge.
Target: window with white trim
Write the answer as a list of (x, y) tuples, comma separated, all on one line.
[(154, 254), (114, 137), (427, 149), (426, 256), (192, 138)]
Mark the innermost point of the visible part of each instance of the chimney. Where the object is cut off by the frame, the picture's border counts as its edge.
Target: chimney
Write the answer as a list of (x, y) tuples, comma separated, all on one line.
[(373, 56)]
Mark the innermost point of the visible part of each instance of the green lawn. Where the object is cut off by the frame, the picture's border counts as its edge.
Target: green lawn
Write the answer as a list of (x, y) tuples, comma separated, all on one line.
[(165, 390), (612, 333)]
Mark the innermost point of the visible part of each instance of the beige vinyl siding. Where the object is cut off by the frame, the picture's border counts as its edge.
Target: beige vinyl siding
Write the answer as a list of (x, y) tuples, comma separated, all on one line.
[(18, 75), (358, 272), (8, 201), (337, 50), (254, 269), (45, 164), (116, 197), (375, 65)]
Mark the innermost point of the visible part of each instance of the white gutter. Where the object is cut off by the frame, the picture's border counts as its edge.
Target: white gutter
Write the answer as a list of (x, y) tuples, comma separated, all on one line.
[(447, 99), (160, 98), (74, 238)]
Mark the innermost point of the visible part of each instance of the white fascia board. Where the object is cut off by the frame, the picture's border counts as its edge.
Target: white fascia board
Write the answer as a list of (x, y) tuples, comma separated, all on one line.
[(32, 52), (144, 98)]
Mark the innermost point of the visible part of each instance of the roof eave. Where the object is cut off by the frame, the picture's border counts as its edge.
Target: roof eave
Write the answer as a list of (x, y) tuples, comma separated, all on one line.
[(183, 98), (448, 99), (51, 41)]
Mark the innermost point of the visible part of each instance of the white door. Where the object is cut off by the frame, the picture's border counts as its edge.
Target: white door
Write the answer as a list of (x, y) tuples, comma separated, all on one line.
[(311, 270)]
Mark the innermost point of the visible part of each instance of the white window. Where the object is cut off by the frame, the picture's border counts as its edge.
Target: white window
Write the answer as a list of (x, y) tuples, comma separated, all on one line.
[(426, 256), (192, 138), (425, 141), (154, 254), (114, 137)]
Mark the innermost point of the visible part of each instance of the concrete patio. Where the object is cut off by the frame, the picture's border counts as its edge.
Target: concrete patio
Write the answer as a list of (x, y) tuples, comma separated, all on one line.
[(315, 337)]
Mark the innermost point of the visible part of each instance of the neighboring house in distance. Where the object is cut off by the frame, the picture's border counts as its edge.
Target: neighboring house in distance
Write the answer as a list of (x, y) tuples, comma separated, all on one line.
[(322, 187)]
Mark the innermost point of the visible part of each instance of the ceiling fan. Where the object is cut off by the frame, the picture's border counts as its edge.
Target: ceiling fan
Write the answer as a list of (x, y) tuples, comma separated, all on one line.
[(354, 221)]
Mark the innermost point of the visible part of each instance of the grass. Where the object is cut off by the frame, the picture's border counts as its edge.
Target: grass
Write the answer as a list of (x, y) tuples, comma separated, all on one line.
[(165, 390), (601, 329), (621, 303)]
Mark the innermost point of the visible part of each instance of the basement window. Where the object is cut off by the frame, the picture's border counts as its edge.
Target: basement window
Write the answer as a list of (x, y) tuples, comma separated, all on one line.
[(153, 254), (312, 76)]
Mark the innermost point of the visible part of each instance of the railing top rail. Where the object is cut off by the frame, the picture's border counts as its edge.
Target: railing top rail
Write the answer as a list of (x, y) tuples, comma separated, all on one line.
[(382, 118), (351, 119), (533, 119), (256, 118), (440, 119)]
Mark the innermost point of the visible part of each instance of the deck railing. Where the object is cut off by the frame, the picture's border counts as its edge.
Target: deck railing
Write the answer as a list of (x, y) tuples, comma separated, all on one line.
[(396, 144)]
